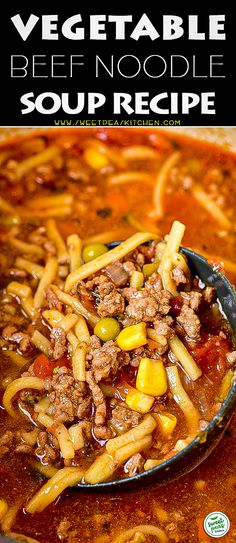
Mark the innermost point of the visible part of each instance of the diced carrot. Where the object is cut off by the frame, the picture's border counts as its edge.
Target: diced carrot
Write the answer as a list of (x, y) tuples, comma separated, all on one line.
[(68, 227), (116, 201), (152, 344)]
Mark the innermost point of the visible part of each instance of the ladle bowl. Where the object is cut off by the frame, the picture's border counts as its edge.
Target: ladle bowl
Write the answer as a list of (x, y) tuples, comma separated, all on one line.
[(204, 443)]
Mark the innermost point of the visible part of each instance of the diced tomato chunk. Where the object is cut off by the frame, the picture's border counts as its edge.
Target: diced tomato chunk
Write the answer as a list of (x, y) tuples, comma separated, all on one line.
[(210, 355), (176, 304), (86, 300), (128, 376), (43, 367), (117, 202)]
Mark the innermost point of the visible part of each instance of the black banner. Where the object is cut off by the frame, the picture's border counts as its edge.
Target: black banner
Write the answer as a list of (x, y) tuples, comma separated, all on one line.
[(146, 66)]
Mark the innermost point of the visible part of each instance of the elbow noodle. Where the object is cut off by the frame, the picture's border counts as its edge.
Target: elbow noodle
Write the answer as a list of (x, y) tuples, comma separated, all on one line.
[(172, 246), (46, 471), (26, 248), (50, 491), (55, 236), (60, 431), (65, 443), (101, 469), (47, 278), (33, 161), (68, 322), (19, 289), (74, 245), (41, 342), (139, 152), (76, 435), (18, 359), (107, 258), (182, 399), (44, 419), (79, 362), (73, 341), (146, 529), (51, 201), (42, 405), (16, 386), (124, 453), (30, 267), (146, 427), (130, 177), (81, 330), (160, 183), (73, 302), (9, 518), (53, 317), (27, 305), (185, 358)]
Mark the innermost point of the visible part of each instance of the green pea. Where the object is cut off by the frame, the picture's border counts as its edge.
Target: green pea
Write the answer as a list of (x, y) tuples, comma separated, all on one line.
[(94, 250), (107, 328)]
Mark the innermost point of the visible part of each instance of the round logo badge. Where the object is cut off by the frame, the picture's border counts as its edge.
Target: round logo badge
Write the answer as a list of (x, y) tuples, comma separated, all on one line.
[(216, 524)]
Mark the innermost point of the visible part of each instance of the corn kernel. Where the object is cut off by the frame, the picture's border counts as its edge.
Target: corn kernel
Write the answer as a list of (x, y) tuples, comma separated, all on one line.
[(151, 377), (95, 159), (167, 423), (138, 401), (151, 463), (132, 337)]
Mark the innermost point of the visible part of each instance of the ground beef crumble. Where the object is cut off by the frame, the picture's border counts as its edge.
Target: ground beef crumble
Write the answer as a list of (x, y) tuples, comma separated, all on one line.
[(52, 300), (58, 342), (106, 360), (70, 399), (145, 305), (121, 413), (178, 276), (134, 465), (101, 431), (11, 334), (190, 322)]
